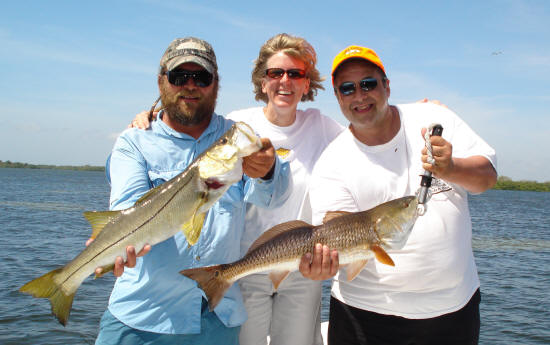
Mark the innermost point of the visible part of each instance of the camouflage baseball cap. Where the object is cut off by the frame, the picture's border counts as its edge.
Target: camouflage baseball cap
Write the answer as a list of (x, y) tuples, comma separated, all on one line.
[(189, 49)]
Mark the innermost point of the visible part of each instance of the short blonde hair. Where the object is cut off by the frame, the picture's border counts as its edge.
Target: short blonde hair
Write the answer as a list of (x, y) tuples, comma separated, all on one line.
[(296, 47)]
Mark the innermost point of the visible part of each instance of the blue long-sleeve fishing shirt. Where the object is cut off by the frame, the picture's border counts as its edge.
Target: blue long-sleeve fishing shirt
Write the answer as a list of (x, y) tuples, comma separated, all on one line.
[(153, 296)]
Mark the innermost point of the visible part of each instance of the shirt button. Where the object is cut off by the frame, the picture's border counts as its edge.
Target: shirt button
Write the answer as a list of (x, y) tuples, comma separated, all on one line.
[(198, 258)]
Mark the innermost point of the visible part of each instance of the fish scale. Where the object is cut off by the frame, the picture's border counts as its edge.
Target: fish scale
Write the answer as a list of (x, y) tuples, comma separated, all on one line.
[(356, 236), (176, 205)]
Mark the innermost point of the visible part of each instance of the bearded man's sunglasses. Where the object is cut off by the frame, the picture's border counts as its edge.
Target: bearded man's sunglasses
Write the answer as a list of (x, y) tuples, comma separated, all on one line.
[(201, 78)]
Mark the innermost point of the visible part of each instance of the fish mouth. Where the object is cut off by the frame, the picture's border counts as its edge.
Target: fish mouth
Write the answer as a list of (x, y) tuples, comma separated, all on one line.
[(247, 141), (213, 183)]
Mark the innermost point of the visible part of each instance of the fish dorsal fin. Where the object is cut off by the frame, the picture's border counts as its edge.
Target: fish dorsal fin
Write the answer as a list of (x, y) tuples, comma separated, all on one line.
[(276, 230), (353, 269), (330, 215), (187, 175), (98, 220), (277, 277), (382, 256), (148, 195)]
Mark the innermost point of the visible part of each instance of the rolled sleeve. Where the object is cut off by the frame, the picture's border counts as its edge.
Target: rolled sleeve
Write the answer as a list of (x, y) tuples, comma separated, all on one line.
[(128, 175)]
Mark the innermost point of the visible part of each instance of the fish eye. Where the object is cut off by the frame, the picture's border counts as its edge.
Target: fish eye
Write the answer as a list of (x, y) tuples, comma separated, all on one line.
[(223, 140)]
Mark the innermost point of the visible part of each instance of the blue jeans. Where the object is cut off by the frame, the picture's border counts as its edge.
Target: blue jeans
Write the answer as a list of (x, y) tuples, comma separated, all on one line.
[(213, 332)]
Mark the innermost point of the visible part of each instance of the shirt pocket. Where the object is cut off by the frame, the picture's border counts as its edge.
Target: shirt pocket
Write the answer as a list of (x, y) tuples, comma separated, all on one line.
[(232, 200)]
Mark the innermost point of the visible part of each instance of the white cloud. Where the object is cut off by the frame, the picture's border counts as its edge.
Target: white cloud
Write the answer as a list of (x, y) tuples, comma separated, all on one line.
[(214, 14), (536, 61), (525, 16), (517, 137), (36, 49)]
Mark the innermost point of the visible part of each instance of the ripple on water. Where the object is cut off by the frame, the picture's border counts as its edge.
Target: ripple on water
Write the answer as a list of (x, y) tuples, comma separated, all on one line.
[(44, 229), (41, 206), (496, 244)]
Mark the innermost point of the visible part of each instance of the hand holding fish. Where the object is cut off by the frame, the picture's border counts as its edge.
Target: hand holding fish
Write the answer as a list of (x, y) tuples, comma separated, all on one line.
[(285, 247), (323, 265), (179, 204), (261, 163), (119, 261)]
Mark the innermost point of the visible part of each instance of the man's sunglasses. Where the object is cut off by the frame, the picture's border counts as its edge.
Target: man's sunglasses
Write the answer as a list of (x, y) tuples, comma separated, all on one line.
[(180, 77), (278, 73), (367, 84)]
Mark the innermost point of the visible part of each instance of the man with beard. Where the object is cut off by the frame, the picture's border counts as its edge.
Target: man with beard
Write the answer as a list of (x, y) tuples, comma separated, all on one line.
[(151, 303)]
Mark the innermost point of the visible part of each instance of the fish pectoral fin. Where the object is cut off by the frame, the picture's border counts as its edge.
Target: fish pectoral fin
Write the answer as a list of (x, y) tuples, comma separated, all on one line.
[(330, 215), (353, 269), (277, 277), (104, 270), (277, 230), (382, 256), (98, 220), (192, 229)]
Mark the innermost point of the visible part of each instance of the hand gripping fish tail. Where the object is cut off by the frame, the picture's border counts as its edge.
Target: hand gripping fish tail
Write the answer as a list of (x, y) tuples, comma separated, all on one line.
[(179, 204), (358, 237)]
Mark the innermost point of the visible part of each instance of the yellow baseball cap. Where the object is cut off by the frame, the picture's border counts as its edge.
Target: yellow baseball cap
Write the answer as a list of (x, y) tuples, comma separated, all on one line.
[(356, 52)]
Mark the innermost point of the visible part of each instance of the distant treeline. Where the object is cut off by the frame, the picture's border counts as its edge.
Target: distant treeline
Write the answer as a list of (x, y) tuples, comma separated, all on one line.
[(8, 164), (503, 182), (506, 183)]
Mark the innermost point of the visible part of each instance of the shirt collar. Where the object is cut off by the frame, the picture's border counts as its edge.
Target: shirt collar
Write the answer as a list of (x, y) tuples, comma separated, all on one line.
[(160, 126)]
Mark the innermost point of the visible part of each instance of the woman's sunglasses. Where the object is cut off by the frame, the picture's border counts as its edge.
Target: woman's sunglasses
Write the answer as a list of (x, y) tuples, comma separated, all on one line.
[(348, 87), (278, 73), (180, 77)]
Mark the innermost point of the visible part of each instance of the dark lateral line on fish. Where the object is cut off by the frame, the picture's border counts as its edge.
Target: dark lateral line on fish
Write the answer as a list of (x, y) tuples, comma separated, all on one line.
[(127, 235)]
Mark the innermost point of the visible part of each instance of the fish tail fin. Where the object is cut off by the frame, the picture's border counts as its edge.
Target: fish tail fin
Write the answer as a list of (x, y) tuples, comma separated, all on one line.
[(211, 281), (46, 287)]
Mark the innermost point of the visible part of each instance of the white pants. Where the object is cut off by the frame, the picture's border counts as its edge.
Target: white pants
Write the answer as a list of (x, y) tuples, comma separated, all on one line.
[(289, 316)]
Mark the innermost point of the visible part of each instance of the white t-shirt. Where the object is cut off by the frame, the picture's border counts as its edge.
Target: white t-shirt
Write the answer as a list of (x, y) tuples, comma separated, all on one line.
[(435, 272), (300, 144)]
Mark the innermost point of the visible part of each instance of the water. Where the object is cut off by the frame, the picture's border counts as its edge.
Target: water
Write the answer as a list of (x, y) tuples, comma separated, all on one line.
[(43, 228)]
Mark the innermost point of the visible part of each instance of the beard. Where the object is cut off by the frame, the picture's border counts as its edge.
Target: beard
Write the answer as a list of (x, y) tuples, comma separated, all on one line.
[(187, 114)]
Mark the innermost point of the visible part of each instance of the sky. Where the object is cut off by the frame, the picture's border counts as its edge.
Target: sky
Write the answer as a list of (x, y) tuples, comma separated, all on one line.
[(74, 73)]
